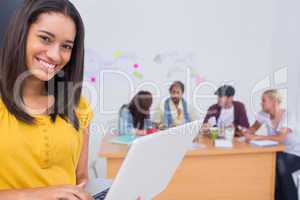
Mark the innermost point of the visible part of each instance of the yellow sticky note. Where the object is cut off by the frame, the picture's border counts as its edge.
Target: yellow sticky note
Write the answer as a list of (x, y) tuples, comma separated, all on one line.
[(117, 54)]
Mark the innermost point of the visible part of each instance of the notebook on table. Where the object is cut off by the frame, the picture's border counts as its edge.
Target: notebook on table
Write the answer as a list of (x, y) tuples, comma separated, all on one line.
[(264, 143), (123, 139)]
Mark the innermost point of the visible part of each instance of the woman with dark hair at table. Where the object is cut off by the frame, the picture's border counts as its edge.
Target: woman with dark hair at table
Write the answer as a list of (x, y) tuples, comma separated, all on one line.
[(134, 118)]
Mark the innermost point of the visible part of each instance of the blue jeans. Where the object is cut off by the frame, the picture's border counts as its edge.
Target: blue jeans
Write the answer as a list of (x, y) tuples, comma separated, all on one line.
[(287, 164)]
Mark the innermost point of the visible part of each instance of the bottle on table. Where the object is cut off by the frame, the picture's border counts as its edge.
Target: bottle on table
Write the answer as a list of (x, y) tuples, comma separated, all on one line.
[(221, 129)]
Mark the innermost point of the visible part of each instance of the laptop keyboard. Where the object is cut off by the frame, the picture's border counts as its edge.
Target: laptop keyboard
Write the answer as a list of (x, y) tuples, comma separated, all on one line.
[(101, 195)]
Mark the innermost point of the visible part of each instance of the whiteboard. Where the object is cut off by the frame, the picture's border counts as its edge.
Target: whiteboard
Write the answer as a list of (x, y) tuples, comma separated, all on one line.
[(138, 44)]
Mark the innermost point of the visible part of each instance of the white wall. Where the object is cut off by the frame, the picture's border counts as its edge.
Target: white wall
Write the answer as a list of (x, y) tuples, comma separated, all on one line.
[(232, 41)]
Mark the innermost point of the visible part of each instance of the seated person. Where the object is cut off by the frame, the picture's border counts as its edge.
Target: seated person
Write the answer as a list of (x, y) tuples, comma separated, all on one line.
[(134, 118), (175, 110), (227, 111), (280, 127)]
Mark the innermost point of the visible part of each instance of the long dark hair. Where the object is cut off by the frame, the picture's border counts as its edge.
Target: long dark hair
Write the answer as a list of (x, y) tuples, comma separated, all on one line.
[(13, 62), (139, 107)]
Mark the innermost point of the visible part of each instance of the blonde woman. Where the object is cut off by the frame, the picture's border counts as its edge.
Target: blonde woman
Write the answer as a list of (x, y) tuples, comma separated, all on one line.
[(279, 128)]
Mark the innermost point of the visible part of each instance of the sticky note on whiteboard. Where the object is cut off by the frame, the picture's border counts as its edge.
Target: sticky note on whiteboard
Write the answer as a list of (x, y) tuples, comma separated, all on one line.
[(199, 79), (117, 54), (93, 79), (137, 74), (136, 66)]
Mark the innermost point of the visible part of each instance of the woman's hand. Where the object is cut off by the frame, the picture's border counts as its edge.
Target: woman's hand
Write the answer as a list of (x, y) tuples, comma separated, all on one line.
[(250, 137), (140, 132), (162, 126), (285, 131), (68, 192)]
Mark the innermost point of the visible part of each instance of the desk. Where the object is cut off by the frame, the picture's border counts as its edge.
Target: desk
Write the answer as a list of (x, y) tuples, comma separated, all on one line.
[(244, 172)]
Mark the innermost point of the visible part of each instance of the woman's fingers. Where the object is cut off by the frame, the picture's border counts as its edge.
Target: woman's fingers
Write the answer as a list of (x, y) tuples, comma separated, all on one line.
[(141, 133), (82, 184), (67, 196), (79, 193)]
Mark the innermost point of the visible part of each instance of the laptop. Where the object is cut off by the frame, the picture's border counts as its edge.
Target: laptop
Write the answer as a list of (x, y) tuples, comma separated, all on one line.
[(149, 165), (98, 188)]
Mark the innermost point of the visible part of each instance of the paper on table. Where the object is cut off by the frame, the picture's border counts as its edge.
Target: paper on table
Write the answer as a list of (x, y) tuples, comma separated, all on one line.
[(123, 139), (223, 143), (242, 139), (264, 143), (197, 146)]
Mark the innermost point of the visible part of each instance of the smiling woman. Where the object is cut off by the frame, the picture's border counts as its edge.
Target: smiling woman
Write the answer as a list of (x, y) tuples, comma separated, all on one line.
[(49, 44), (44, 119)]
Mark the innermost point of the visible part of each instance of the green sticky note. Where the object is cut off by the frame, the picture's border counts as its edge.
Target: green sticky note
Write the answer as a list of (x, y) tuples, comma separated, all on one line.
[(137, 74)]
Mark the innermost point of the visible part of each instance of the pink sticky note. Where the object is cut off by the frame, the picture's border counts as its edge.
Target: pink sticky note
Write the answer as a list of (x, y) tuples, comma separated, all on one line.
[(199, 79), (93, 79), (136, 66)]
